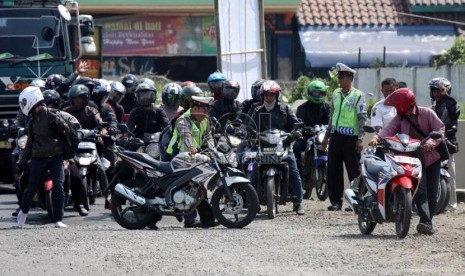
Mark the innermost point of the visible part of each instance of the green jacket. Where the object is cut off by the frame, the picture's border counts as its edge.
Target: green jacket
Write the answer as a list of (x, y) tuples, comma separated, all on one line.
[(345, 111)]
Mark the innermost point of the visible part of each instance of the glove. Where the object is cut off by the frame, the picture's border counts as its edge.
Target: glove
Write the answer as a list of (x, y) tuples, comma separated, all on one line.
[(297, 135), (19, 168)]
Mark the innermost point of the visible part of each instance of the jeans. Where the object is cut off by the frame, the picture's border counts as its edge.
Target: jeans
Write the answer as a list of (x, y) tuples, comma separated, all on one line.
[(38, 169), (295, 183), (425, 199)]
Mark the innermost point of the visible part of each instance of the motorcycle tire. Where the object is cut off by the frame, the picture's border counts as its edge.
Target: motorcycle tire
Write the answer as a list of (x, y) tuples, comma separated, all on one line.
[(241, 212), (49, 205), (366, 227), (127, 214), (84, 196), (443, 196), (271, 197), (321, 185), (403, 205)]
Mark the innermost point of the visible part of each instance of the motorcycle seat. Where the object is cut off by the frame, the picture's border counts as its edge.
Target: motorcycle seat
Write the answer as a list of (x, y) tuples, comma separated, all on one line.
[(164, 167), (373, 166)]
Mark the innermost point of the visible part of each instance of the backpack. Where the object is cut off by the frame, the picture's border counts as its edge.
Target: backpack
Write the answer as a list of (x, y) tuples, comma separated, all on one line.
[(69, 142)]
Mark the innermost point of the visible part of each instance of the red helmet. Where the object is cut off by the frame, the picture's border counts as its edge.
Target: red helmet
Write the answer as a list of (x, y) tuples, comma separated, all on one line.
[(270, 86), (402, 100), (187, 83)]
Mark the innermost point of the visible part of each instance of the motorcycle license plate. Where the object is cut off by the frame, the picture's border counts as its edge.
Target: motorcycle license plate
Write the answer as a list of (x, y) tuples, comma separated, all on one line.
[(5, 145), (406, 159), (269, 149)]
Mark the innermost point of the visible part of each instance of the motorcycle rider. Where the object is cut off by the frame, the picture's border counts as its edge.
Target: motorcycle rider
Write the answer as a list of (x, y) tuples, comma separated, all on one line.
[(129, 101), (117, 92), (146, 118), (226, 108), (89, 118), (276, 115), (215, 83), (448, 111), (412, 119), (186, 96), (192, 132), (315, 111), (348, 116), (45, 151), (21, 119), (58, 82), (248, 106), (171, 97)]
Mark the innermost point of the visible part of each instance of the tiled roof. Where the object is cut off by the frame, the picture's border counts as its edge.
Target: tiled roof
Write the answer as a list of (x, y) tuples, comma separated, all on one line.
[(368, 12)]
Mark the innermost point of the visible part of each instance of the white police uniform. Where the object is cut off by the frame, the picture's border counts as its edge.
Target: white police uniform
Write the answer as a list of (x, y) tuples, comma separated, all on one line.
[(382, 114)]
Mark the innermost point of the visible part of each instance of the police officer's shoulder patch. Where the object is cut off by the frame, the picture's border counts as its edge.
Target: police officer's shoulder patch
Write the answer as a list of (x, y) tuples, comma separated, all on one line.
[(373, 111)]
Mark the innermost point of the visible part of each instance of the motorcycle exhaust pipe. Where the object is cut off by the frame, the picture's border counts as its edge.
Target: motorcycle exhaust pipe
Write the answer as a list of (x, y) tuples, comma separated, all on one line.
[(129, 195), (350, 196)]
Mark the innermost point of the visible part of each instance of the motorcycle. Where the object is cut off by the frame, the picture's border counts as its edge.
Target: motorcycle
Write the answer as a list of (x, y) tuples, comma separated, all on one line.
[(273, 170), (87, 160), (443, 194), (8, 132), (316, 159), (387, 188), (177, 187)]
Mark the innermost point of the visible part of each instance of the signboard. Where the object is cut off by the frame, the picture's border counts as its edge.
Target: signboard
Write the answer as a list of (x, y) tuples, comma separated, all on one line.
[(143, 35)]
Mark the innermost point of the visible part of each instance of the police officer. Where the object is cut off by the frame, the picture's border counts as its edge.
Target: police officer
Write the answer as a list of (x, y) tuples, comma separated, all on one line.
[(382, 114), (344, 133)]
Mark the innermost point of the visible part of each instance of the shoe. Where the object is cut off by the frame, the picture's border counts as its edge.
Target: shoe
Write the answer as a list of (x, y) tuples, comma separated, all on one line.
[(108, 203), (299, 209), (348, 209), (15, 213), (60, 224), (307, 194), (425, 229), (21, 219), (210, 224), (334, 207), (195, 224), (81, 210)]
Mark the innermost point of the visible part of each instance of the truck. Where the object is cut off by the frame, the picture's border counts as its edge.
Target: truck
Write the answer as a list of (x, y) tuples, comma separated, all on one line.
[(37, 38)]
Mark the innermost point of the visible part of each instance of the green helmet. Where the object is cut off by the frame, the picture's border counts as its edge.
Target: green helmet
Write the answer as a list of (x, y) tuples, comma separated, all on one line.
[(316, 92), (187, 93)]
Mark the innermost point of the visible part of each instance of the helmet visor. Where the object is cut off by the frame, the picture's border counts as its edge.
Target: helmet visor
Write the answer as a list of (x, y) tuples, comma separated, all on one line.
[(116, 96), (316, 94), (230, 93), (145, 97)]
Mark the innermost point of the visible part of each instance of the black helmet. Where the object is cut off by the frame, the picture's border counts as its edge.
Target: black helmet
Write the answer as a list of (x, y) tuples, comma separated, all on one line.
[(53, 81), (79, 90), (52, 97), (145, 94), (255, 90), (230, 90), (88, 82), (130, 82), (100, 92), (117, 91)]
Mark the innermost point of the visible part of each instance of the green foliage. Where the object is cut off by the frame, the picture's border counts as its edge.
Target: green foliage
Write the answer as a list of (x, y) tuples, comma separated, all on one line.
[(462, 111), (299, 91), (455, 55), (370, 104)]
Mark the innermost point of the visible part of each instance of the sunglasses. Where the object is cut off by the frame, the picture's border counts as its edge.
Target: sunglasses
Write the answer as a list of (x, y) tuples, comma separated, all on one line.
[(342, 76)]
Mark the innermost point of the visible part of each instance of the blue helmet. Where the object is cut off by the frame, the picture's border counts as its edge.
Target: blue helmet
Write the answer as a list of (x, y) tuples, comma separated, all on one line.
[(217, 76)]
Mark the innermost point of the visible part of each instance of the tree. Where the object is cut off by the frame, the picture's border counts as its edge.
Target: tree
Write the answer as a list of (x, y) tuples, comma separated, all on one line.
[(454, 56)]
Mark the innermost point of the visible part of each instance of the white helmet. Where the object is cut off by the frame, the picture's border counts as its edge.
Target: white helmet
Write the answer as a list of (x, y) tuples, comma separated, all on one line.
[(29, 97)]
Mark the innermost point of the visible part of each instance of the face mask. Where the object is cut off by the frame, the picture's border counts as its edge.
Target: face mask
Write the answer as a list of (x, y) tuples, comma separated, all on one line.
[(270, 106)]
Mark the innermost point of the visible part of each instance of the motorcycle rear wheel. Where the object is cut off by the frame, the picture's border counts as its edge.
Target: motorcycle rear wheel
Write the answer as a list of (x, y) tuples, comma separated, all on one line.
[(443, 196), (403, 206), (239, 213), (271, 202), (127, 214), (321, 186), (49, 204)]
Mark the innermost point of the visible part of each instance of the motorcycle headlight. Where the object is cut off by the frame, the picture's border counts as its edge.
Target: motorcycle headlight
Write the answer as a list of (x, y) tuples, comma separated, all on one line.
[(234, 141), (320, 137), (5, 123), (84, 160), (22, 142), (152, 150)]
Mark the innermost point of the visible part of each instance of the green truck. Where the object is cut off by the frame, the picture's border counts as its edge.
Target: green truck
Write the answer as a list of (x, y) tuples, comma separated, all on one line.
[(37, 38)]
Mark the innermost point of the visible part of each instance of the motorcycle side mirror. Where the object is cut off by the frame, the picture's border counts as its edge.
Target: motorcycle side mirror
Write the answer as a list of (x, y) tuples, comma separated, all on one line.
[(435, 135), (299, 125), (369, 129)]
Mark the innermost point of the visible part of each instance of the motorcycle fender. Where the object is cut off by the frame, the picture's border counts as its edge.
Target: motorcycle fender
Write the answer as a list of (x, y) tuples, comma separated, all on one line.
[(83, 171), (445, 173), (48, 185), (235, 179), (271, 171), (403, 181)]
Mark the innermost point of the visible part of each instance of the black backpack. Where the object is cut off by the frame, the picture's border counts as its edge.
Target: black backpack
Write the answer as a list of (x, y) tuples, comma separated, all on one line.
[(69, 142)]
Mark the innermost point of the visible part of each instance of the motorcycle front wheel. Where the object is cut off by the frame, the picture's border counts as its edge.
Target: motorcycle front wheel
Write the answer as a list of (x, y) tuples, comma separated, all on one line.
[(126, 213), (271, 194), (49, 204), (321, 186), (241, 211), (403, 207), (364, 224)]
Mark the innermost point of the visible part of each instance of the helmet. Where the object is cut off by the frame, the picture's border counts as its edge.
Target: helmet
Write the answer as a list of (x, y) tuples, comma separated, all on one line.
[(215, 82), (402, 100), (440, 83), (147, 80), (270, 86), (316, 91), (117, 91), (187, 93), (100, 91), (187, 83), (88, 82), (255, 90), (130, 82), (171, 94), (53, 81), (29, 97), (145, 93), (52, 97), (38, 83), (79, 90), (230, 90)]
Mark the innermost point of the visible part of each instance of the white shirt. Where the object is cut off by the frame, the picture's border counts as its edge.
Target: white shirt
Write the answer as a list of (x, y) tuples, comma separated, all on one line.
[(382, 114)]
